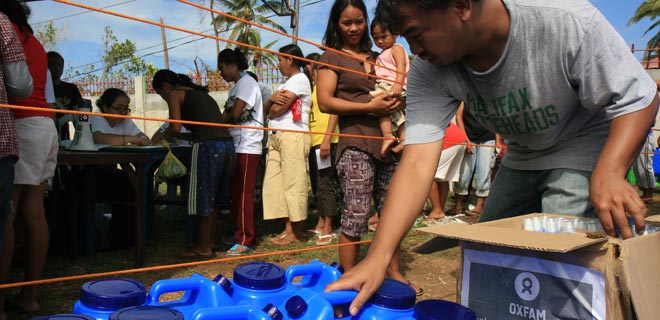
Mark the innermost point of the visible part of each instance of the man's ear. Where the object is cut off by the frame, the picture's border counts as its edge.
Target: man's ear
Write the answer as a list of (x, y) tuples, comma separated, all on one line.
[(463, 8)]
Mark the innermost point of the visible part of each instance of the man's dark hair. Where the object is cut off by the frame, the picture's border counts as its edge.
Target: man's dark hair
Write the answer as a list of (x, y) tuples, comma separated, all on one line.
[(389, 16), (332, 37)]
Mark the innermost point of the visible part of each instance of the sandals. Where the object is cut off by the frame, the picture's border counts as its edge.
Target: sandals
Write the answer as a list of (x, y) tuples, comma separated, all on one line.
[(238, 250), (325, 239), (418, 290), (191, 254)]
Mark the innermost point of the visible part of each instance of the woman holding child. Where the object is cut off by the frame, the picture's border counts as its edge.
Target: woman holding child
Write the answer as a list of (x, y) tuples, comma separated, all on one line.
[(362, 172)]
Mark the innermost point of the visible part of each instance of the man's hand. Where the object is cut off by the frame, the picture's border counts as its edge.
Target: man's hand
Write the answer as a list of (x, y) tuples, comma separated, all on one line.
[(366, 278), (612, 197)]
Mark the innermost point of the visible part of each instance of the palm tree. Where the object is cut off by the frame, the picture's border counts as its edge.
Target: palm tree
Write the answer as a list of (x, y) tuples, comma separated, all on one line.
[(253, 11), (648, 9)]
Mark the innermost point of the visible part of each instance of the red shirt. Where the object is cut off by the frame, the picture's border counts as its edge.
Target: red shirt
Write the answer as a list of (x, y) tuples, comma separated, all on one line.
[(38, 65), (453, 136)]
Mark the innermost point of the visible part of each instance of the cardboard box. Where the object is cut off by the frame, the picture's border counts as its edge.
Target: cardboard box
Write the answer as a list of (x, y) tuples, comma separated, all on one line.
[(510, 273)]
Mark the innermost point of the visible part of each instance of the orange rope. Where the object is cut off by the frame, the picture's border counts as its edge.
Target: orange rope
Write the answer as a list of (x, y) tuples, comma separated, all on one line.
[(320, 46), (214, 37)]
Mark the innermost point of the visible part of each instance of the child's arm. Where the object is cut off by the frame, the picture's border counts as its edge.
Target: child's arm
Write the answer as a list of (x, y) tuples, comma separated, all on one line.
[(399, 55)]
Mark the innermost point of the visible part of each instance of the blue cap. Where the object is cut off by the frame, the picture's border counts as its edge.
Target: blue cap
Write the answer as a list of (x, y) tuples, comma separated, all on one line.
[(147, 312), (296, 306), (441, 309), (223, 282), (259, 275), (112, 293), (337, 266), (394, 294), (273, 312), (65, 317)]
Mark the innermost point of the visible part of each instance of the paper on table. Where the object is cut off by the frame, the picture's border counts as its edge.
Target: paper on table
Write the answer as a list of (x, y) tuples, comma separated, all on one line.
[(322, 163)]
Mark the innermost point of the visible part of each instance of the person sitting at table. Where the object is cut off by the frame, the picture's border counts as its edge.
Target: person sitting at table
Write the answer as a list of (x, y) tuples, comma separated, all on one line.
[(67, 94), (116, 131), (213, 153), (113, 184)]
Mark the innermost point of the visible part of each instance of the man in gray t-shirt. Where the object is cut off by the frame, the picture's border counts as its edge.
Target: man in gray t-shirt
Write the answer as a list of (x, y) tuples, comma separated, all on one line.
[(552, 77)]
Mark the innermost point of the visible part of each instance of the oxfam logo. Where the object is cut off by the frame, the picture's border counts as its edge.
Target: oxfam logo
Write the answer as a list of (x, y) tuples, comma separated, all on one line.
[(527, 286)]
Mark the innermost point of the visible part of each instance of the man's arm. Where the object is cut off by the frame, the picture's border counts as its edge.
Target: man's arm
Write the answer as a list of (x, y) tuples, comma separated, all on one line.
[(18, 80), (406, 195), (611, 195)]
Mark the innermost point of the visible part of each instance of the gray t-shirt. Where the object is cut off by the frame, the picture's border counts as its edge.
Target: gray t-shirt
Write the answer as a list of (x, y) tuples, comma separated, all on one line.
[(564, 74)]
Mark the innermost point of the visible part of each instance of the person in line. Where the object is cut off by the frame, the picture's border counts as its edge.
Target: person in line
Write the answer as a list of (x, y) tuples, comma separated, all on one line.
[(448, 170), (574, 108), (243, 107), (477, 162), (643, 169), (38, 146), (285, 182), (324, 148), (67, 94), (15, 82), (213, 153), (392, 66), (362, 173)]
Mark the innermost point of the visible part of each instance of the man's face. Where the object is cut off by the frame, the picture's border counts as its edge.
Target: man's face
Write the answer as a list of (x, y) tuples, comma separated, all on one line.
[(56, 67), (436, 36)]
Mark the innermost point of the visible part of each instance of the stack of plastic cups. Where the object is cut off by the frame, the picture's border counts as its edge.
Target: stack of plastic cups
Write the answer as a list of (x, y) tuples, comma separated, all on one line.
[(442, 310), (147, 313), (100, 298), (199, 292)]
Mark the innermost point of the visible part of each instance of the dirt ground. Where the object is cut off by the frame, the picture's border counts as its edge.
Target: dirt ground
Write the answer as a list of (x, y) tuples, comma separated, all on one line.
[(434, 272)]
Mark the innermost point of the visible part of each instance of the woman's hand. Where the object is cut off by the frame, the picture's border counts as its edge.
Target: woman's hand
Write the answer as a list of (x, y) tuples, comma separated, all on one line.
[(138, 140), (384, 104), (366, 277)]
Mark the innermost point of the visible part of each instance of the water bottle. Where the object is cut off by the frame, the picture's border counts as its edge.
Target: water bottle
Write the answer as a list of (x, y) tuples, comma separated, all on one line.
[(442, 310), (100, 298), (147, 313), (393, 300), (315, 275), (257, 283), (239, 312), (68, 316), (199, 292)]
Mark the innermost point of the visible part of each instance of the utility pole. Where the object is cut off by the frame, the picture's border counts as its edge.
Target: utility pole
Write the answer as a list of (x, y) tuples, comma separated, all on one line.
[(162, 35), (294, 21)]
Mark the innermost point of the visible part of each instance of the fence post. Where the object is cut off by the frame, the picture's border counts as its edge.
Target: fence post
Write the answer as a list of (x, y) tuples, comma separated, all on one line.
[(141, 101)]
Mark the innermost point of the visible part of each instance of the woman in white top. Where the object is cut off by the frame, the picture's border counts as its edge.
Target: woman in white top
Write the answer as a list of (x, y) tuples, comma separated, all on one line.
[(244, 107), (285, 182), (116, 131)]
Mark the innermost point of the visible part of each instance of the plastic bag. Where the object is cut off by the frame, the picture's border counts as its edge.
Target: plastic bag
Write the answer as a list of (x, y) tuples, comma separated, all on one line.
[(171, 167)]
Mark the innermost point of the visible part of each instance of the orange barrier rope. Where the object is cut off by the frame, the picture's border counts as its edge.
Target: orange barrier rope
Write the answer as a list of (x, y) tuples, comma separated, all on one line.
[(182, 265), (214, 37), (211, 124), (320, 46)]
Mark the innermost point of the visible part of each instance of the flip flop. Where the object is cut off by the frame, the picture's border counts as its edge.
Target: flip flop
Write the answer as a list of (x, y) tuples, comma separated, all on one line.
[(238, 250), (472, 213), (325, 239), (433, 221), (283, 241), (189, 254), (373, 226), (418, 290)]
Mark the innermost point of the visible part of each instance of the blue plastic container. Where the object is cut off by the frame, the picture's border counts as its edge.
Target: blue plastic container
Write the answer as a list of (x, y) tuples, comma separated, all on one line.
[(68, 316), (393, 300), (307, 304), (257, 284), (199, 292), (442, 310), (147, 313), (100, 298), (314, 275), (239, 312)]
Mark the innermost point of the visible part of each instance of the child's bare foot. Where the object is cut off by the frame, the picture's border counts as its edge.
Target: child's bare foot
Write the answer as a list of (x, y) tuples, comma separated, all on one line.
[(387, 144)]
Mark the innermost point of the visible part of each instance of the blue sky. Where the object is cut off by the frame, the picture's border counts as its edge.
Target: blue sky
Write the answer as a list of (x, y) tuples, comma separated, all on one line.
[(81, 32)]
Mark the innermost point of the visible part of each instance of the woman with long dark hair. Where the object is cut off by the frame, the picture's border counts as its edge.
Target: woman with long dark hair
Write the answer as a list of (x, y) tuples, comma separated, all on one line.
[(212, 156)]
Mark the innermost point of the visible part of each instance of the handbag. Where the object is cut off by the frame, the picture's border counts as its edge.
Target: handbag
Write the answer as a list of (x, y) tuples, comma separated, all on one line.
[(171, 167)]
